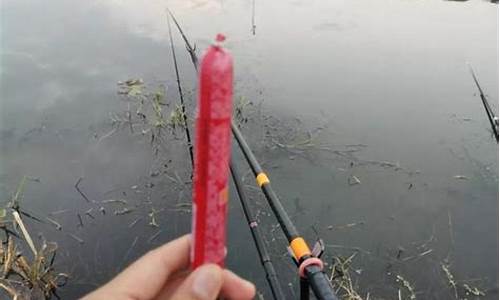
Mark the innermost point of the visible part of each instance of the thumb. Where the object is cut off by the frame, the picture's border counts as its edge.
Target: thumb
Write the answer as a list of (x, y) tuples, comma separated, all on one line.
[(204, 283)]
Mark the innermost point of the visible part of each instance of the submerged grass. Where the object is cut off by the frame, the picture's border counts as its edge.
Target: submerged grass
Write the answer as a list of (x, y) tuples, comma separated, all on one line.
[(25, 275)]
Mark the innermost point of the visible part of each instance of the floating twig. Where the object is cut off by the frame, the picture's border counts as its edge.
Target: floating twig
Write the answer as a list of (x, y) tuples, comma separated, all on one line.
[(152, 215), (473, 290), (418, 255), (123, 211), (331, 227), (54, 222), (122, 201), (130, 248), (26, 235), (79, 240), (451, 278), (353, 180), (80, 221), (406, 284), (10, 290), (134, 222), (88, 213), (9, 256), (80, 191), (154, 236), (57, 212), (450, 228)]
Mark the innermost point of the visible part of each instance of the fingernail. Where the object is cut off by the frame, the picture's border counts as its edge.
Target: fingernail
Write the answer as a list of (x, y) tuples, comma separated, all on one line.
[(207, 282)]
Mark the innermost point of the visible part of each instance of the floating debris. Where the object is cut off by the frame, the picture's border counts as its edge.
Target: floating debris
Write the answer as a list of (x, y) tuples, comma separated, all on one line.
[(451, 278), (331, 227), (389, 164), (473, 291), (152, 215), (183, 207), (55, 223), (353, 180), (134, 222), (400, 252), (131, 87), (154, 236), (79, 240), (88, 213), (80, 221), (123, 211), (102, 210), (122, 201), (130, 248), (462, 177), (26, 235), (406, 284), (418, 255), (34, 179), (80, 191), (25, 279), (57, 212), (341, 278)]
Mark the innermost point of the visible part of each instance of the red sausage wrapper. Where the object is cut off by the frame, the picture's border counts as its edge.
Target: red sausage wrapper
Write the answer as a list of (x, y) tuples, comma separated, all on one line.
[(212, 153)]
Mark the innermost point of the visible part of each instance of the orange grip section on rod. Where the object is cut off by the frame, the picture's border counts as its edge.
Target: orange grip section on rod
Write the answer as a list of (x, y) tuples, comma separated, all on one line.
[(299, 248)]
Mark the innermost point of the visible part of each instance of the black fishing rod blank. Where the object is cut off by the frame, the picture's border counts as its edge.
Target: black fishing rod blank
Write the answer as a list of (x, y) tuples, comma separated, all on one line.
[(491, 115), (265, 259), (181, 95), (309, 265), (191, 50), (263, 181)]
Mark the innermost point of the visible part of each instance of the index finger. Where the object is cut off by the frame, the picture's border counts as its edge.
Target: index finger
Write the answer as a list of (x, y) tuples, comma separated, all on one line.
[(146, 277)]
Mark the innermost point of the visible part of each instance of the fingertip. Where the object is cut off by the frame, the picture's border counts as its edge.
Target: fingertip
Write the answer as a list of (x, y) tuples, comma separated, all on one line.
[(207, 281), (237, 288)]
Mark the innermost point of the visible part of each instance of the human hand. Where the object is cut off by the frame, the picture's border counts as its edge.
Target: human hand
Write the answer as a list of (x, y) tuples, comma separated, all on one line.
[(163, 273)]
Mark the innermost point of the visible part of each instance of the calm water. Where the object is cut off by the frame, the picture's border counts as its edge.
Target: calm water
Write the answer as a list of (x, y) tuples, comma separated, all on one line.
[(387, 76)]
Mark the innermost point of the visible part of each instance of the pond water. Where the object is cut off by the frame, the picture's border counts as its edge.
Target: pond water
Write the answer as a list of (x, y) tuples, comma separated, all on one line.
[(383, 87)]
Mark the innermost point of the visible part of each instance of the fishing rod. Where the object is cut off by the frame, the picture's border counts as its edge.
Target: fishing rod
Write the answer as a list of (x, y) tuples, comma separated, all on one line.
[(183, 107), (191, 50), (491, 115), (265, 259), (309, 264)]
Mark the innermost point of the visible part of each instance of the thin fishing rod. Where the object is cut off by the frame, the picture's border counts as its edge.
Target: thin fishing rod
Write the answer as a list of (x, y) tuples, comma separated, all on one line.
[(286, 224), (310, 267), (253, 17), (183, 107), (489, 111), (265, 259), (189, 48)]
